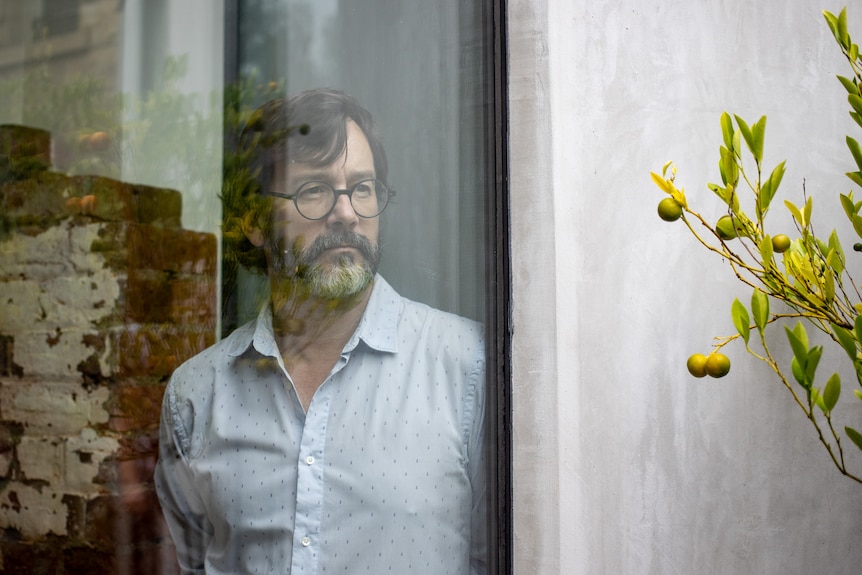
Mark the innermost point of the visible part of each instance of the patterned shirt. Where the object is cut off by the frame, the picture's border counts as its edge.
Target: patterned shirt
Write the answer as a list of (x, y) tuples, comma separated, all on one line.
[(385, 473)]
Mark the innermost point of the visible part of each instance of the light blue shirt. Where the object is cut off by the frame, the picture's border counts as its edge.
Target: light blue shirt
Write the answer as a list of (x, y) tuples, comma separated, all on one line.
[(384, 474)]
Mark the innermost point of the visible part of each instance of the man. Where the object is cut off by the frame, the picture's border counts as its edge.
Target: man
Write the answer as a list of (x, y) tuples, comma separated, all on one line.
[(342, 431)]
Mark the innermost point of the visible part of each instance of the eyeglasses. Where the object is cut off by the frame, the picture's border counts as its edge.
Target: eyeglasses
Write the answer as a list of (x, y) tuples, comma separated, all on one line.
[(316, 200)]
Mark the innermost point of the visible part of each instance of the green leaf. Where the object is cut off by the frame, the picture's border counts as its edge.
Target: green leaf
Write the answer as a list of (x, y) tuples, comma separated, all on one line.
[(835, 248), (843, 35), (854, 147), (856, 117), (747, 135), (718, 191), (858, 394), (857, 328), (817, 399), (848, 205), (768, 189), (857, 224), (665, 185), (814, 355), (664, 168), (854, 436), (760, 309), (798, 342), (831, 392), (855, 102), (729, 167), (766, 251), (727, 130), (845, 338), (832, 21), (797, 215), (849, 85), (806, 211), (740, 319), (798, 372), (758, 135)]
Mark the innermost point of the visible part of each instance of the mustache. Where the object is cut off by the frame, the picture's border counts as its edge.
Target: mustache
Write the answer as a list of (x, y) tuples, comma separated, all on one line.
[(337, 240)]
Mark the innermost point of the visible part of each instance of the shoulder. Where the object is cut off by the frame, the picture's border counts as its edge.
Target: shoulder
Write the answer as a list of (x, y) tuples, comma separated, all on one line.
[(200, 370), (441, 326)]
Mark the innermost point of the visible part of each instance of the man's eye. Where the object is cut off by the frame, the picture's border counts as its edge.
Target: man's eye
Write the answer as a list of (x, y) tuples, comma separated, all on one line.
[(313, 192), (363, 189)]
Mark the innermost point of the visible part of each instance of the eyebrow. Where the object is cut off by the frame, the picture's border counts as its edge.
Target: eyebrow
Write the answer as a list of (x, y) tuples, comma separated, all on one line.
[(322, 176)]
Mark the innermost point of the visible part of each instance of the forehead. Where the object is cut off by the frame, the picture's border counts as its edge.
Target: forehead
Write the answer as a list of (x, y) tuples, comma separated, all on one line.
[(356, 159)]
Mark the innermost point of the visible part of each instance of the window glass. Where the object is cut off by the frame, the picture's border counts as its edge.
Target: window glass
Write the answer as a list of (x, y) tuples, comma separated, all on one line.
[(243, 266)]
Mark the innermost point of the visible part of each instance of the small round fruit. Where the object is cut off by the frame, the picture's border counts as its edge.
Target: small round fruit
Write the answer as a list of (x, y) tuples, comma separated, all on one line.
[(88, 204), (669, 210), (73, 205), (100, 141), (724, 228), (696, 365), (780, 243), (717, 365)]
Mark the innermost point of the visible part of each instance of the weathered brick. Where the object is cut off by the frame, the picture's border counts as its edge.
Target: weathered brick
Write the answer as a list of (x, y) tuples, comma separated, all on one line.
[(34, 512), (18, 141), (8, 367), (41, 459), (24, 151), (193, 301), (135, 406), (148, 296), (33, 205), (45, 408), (29, 558), (85, 559), (116, 201), (83, 457), (105, 295), (163, 297), (112, 517), (173, 250), (64, 250), (156, 350)]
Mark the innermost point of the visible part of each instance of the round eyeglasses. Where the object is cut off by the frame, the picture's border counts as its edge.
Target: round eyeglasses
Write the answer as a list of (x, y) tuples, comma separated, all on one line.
[(316, 200)]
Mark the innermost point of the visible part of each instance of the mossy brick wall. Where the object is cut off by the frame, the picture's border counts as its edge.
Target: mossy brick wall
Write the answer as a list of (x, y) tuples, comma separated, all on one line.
[(102, 295)]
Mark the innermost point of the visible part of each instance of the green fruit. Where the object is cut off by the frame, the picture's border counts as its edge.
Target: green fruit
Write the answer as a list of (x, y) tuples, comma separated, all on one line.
[(780, 243), (669, 210), (696, 365), (725, 228), (717, 365)]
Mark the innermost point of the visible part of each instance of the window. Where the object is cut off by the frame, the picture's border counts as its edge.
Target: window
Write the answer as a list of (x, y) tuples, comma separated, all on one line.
[(126, 168)]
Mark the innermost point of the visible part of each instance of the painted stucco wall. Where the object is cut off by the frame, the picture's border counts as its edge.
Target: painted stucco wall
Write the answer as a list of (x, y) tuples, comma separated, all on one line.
[(623, 462)]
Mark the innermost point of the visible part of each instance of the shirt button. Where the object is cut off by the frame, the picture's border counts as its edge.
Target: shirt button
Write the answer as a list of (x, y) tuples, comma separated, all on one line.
[(305, 541), (309, 460)]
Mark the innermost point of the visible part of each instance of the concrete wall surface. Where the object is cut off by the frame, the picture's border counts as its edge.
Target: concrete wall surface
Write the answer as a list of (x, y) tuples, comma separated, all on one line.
[(623, 462)]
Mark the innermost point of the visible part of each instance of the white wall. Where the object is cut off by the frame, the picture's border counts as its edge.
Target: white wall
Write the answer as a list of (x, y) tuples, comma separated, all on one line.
[(623, 463)]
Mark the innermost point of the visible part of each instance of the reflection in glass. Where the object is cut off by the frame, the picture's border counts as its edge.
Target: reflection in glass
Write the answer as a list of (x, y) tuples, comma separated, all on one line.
[(133, 236)]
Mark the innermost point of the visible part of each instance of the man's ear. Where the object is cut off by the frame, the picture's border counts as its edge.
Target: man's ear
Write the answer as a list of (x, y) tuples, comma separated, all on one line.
[(252, 230)]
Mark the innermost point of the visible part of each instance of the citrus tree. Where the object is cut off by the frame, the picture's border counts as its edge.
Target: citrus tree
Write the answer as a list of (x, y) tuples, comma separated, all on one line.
[(806, 276)]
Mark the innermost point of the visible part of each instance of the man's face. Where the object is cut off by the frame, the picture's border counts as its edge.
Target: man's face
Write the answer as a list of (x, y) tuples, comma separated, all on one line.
[(335, 257)]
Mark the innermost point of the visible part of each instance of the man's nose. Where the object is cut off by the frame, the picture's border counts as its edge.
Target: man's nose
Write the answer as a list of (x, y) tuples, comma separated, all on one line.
[(343, 213)]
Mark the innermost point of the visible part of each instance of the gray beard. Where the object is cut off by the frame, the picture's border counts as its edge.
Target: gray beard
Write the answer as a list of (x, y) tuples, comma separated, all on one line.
[(348, 276)]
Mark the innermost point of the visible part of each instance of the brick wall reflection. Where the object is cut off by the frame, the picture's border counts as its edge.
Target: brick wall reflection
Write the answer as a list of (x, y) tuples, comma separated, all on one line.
[(102, 295)]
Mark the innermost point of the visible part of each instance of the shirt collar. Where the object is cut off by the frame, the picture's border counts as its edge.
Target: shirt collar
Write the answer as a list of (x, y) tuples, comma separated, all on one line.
[(378, 328)]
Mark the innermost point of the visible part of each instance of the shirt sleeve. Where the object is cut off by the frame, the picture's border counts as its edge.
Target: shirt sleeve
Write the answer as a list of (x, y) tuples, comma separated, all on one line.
[(477, 468), (181, 504)]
